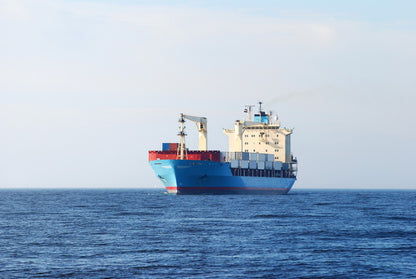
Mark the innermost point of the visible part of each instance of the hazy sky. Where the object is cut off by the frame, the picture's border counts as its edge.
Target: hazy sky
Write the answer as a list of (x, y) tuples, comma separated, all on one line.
[(88, 87)]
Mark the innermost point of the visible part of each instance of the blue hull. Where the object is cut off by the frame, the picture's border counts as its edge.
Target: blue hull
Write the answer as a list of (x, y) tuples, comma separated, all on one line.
[(208, 177)]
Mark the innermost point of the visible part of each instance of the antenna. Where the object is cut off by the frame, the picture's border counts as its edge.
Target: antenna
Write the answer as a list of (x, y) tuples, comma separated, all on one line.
[(260, 106)]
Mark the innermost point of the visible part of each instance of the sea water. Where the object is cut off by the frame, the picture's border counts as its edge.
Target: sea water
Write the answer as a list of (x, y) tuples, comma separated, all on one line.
[(148, 234)]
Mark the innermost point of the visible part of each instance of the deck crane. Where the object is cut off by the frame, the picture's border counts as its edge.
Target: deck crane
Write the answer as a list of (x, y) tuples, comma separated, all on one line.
[(201, 125)]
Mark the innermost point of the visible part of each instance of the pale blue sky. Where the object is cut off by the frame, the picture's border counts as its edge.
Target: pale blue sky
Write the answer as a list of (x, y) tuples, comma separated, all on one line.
[(88, 87)]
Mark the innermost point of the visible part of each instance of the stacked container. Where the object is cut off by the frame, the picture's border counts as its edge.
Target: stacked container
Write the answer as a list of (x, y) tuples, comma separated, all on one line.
[(244, 164), (169, 146), (277, 165), (248, 160), (252, 165)]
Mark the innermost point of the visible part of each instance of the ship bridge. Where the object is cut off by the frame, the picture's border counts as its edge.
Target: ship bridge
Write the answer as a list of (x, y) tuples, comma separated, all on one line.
[(261, 134)]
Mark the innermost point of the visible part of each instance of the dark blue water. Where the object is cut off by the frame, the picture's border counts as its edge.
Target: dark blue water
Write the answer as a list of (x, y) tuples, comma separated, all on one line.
[(147, 234)]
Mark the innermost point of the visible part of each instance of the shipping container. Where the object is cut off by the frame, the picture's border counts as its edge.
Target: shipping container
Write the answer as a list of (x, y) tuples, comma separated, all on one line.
[(190, 155), (252, 165), (253, 156), (234, 164), (270, 157), (244, 164), (162, 155), (194, 156), (285, 166), (261, 157), (173, 146), (216, 156), (245, 156), (277, 165), (165, 146), (169, 146), (261, 165), (269, 165)]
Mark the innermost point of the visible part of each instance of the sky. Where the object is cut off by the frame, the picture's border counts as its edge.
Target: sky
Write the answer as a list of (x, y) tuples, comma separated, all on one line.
[(87, 88)]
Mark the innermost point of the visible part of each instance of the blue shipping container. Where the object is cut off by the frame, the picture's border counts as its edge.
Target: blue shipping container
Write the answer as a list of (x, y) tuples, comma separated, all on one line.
[(165, 146)]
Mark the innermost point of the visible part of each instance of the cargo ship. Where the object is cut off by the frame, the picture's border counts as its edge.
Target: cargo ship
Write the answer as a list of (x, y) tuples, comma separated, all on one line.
[(258, 160)]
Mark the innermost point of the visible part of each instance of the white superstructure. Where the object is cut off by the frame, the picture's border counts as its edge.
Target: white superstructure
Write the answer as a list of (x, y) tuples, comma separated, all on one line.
[(261, 135)]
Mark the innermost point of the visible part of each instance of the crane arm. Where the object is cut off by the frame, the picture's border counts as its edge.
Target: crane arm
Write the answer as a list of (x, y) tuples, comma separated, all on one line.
[(201, 124), (196, 119)]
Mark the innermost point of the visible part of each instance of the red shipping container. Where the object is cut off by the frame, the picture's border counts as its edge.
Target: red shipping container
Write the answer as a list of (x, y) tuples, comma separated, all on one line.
[(173, 146), (191, 155)]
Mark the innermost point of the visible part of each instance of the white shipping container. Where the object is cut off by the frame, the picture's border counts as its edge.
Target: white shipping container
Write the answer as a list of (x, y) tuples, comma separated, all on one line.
[(252, 165), (234, 163), (270, 157), (269, 165), (238, 155), (232, 156), (277, 165), (253, 156), (244, 164), (261, 165), (261, 157)]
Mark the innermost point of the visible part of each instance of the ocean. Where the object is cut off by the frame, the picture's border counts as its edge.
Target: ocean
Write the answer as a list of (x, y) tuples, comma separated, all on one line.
[(148, 234)]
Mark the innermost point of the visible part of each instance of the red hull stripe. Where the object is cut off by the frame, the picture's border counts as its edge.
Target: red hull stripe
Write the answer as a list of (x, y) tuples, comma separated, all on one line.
[(225, 188)]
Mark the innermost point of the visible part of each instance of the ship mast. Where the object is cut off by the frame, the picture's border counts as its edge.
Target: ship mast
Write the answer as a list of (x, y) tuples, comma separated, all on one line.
[(260, 111), (181, 153), (248, 111)]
